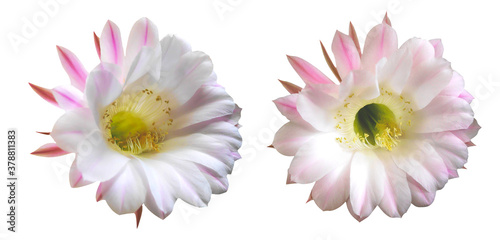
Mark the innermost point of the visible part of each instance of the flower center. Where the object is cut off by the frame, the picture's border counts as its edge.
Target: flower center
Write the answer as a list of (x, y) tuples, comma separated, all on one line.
[(137, 123), (375, 124)]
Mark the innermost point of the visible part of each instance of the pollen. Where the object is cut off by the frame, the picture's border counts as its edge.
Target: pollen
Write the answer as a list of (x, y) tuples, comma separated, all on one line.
[(388, 136)]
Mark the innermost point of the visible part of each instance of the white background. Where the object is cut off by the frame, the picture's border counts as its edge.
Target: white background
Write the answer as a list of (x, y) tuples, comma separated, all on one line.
[(247, 43)]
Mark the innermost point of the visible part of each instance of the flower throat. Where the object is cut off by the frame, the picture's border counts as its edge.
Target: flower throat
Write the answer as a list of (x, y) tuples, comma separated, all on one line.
[(376, 125), (137, 123)]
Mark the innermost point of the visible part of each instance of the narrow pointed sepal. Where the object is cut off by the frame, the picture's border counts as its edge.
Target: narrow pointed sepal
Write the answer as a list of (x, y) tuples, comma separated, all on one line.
[(354, 36), (270, 146), (329, 62), (138, 215), (98, 195), (310, 198), (289, 179), (49, 150), (44, 93), (387, 20), (97, 44), (44, 133), (290, 87), (470, 144)]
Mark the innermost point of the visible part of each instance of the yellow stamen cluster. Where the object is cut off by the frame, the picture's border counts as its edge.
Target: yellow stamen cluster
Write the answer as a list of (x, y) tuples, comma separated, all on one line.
[(388, 136), (378, 126), (137, 122)]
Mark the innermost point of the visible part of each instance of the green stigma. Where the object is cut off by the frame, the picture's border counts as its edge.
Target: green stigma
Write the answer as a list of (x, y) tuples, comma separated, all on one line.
[(126, 124), (375, 124), (128, 131)]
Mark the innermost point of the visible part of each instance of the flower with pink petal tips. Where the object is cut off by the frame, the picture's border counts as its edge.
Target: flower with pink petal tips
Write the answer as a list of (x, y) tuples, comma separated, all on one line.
[(149, 123), (389, 133)]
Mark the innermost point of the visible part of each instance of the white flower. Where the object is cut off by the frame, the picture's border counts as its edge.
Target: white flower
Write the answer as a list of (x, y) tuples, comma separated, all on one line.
[(151, 125), (392, 131)]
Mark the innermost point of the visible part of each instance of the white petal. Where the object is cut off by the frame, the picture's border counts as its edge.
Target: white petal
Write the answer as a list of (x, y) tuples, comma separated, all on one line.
[(317, 109), (144, 33), (346, 54), (125, 192), (147, 61), (467, 134), (160, 197), (209, 102), (235, 117), (111, 44), (200, 149), (172, 48), (68, 97), (223, 131), (97, 161), (73, 128), (465, 95), (452, 150), (192, 186), (219, 184), (455, 87), (316, 158), (331, 191), (366, 183), (288, 107), (396, 71), (291, 137), (76, 132), (351, 211), (427, 80), (444, 113), (420, 161), (364, 84), (419, 196), (397, 195), (76, 178), (101, 90), (438, 47), (114, 69), (184, 178), (381, 42), (421, 50), (192, 70)]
